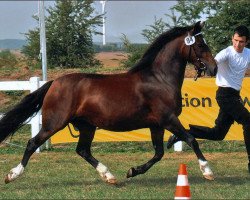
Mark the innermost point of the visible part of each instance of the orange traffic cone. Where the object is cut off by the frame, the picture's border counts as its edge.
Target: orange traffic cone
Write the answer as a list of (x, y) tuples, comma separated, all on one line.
[(182, 187)]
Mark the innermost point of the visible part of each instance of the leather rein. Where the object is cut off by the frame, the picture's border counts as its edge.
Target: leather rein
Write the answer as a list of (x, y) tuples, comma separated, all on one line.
[(201, 70)]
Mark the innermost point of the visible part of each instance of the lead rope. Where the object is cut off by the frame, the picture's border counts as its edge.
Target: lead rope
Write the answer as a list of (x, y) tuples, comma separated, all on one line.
[(198, 72), (203, 67)]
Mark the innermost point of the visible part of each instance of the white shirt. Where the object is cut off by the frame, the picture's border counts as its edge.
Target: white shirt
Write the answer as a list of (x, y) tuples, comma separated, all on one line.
[(232, 67)]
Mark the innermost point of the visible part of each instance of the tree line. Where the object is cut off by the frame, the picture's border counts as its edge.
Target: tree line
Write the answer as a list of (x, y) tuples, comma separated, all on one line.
[(70, 26)]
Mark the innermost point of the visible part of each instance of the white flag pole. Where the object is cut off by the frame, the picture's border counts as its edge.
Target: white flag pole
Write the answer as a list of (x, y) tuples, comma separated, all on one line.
[(103, 23), (43, 50)]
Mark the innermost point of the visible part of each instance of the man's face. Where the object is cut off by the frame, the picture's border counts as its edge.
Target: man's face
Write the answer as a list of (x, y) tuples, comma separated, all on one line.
[(239, 42)]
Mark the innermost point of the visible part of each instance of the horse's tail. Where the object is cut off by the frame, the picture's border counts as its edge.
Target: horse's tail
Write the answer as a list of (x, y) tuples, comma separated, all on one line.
[(15, 118)]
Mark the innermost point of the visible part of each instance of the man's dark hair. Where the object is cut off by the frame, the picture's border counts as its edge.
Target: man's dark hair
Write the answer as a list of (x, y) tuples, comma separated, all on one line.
[(242, 31)]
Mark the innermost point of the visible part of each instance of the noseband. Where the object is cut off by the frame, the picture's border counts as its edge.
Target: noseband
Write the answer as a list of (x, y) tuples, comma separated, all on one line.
[(201, 70)]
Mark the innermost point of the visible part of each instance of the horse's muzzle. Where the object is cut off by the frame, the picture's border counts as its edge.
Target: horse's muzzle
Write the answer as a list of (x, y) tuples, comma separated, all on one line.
[(212, 71)]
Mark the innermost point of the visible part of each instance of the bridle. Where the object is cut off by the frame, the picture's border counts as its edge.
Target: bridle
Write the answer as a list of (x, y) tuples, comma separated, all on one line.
[(201, 70)]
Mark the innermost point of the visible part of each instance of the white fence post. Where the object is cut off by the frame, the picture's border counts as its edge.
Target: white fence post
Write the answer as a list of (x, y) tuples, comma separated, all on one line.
[(178, 146), (35, 121), (33, 84)]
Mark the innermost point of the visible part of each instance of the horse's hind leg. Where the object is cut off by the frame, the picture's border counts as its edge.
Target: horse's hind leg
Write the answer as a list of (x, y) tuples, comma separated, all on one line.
[(86, 137), (177, 128), (157, 140), (47, 130), (32, 145)]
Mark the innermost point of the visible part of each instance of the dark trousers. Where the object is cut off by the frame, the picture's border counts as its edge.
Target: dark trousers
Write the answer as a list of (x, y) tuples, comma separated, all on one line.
[(231, 109)]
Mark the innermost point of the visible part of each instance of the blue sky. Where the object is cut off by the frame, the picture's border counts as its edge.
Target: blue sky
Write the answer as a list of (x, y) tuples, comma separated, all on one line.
[(122, 17)]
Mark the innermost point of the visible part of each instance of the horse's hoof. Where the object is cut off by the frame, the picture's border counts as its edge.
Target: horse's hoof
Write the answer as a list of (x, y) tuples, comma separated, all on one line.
[(209, 176), (14, 173), (206, 171), (111, 181), (7, 179), (131, 172)]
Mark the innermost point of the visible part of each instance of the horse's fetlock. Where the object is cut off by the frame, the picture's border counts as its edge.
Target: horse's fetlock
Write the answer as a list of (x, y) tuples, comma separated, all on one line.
[(158, 157), (83, 153)]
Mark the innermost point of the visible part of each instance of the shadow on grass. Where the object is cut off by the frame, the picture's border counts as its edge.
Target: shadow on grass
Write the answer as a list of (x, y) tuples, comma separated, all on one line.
[(136, 181), (234, 180), (142, 182), (55, 184)]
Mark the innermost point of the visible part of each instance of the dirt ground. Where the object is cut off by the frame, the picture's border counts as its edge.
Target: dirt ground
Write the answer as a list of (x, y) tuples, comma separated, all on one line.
[(111, 59), (108, 60)]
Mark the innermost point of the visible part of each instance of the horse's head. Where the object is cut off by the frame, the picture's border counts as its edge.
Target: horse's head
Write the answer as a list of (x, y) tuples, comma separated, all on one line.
[(198, 53)]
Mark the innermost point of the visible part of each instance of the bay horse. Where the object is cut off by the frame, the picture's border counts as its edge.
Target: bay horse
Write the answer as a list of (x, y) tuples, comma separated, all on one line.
[(146, 96)]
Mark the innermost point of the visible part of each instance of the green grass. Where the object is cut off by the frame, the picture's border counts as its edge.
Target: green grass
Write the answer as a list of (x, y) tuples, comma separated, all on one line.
[(22, 135), (61, 174), (57, 175)]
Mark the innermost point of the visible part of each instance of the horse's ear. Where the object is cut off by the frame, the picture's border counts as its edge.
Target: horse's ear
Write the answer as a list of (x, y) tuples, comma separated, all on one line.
[(198, 26)]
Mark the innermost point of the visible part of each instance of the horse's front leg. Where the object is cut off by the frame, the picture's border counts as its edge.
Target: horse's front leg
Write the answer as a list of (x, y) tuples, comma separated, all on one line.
[(174, 125), (157, 140)]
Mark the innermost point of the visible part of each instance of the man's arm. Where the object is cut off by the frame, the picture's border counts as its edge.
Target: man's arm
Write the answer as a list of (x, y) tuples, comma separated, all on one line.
[(221, 56)]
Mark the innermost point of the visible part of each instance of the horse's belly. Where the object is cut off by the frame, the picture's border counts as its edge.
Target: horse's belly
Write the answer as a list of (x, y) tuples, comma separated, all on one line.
[(118, 114), (119, 122), (129, 126)]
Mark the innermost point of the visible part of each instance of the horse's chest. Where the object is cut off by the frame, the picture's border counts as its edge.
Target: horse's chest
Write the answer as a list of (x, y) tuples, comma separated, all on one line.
[(165, 105)]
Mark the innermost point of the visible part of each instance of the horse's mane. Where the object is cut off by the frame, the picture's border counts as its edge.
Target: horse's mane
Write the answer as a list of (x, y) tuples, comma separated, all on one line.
[(152, 51)]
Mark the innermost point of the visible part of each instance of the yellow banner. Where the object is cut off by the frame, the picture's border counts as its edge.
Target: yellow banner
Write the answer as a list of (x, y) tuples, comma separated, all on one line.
[(199, 107)]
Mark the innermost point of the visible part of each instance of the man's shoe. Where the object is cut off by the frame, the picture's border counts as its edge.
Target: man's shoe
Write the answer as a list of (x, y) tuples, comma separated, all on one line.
[(172, 140)]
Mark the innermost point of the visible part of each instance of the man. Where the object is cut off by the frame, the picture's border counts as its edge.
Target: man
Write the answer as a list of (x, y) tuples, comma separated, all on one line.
[(232, 64)]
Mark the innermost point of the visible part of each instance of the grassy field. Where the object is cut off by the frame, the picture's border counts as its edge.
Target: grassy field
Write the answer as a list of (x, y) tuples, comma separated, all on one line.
[(61, 174)]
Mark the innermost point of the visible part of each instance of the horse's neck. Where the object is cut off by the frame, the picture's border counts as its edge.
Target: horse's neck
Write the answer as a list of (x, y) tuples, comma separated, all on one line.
[(170, 65)]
